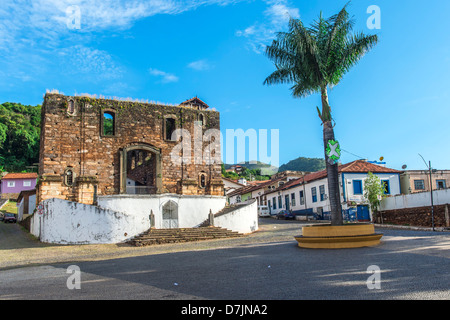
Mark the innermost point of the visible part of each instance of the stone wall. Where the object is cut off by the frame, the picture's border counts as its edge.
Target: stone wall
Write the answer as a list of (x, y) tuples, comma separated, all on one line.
[(418, 217), (74, 139)]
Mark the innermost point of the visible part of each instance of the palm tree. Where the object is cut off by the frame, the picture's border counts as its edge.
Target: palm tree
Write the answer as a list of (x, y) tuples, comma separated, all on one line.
[(314, 59)]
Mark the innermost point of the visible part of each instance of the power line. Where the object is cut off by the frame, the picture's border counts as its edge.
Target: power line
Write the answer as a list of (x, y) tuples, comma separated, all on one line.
[(354, 154)]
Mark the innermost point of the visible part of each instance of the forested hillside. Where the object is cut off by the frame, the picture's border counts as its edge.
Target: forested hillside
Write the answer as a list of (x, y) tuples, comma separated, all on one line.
[(304, 164), (19, 136)]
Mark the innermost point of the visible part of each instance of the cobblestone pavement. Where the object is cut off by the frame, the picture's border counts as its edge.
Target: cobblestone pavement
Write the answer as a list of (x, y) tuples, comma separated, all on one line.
[(266, 265), (18, 248)]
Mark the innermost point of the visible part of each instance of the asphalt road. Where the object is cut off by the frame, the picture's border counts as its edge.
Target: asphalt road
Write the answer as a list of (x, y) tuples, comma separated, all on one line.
[(413, 265)]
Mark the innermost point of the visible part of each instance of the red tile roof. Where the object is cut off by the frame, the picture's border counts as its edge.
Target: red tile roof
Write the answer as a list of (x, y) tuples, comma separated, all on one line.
[(358, 166), (20, 176), (195, 101)]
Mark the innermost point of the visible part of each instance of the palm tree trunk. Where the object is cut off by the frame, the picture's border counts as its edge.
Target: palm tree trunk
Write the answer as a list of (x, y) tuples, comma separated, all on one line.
[(332, 169)]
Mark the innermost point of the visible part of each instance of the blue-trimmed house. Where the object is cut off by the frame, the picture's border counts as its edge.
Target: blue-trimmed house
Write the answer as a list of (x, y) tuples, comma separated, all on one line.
[(308, 195)]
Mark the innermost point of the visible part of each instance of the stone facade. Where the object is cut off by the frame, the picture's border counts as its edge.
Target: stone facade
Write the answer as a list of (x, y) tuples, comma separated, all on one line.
[(92, 147)]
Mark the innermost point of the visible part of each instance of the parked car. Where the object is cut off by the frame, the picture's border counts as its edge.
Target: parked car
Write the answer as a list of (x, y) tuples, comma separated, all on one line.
[(2, 215), (263, 211), (285, 214), (10, 217)]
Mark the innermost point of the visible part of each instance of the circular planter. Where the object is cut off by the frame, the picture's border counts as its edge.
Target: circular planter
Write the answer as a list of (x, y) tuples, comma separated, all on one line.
[(354, 235)]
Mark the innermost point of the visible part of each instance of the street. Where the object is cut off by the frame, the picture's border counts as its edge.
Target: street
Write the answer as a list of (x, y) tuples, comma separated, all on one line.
[(267, 265)]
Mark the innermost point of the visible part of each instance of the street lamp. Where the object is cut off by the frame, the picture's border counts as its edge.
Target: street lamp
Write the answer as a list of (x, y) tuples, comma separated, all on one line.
[(431, 189)]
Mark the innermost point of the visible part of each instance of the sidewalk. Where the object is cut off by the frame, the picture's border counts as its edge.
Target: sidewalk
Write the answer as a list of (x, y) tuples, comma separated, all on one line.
[(398, 227)]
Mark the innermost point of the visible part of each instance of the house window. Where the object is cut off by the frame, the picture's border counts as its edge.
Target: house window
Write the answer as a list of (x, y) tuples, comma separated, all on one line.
[(274, 201), (302, 198), (169, 128), (11, 184), (322, 192), (386, 187), (357, 187), (27, 183), (280, 204), (440, 184), (69, 177), (419, 184), (293, 199), (108, 123), (314, 194)]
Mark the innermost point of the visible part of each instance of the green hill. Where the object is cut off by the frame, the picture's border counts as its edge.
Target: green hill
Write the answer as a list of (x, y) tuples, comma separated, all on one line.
[(304, 164)]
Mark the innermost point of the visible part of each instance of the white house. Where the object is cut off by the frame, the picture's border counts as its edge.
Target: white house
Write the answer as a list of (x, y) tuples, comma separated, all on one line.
[(309, 195), (231, 185)]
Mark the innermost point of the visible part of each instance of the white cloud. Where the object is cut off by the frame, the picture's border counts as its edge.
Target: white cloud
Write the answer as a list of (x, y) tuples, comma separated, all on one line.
[(276, 18), (164, 76), (200, 65), (96, 64)]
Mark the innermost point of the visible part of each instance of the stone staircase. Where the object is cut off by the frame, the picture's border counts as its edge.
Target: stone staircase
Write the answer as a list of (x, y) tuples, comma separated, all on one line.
[(161, 236)]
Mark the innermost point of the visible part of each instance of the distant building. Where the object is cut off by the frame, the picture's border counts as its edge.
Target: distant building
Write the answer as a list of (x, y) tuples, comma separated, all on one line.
[(231, 185), (412, 181), (26, 203), (13, 183)]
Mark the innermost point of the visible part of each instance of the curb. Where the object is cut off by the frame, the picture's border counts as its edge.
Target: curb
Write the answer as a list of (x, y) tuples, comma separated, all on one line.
[(392, 226)]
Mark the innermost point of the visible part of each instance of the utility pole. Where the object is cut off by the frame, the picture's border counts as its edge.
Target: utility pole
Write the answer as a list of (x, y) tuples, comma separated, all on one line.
[(431, 191)]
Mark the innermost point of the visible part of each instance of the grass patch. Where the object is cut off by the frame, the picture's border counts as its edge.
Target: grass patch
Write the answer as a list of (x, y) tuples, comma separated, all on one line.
[(10, 207)]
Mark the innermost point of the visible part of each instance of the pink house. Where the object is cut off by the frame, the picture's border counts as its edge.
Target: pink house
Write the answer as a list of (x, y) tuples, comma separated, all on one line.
[(13, 183)]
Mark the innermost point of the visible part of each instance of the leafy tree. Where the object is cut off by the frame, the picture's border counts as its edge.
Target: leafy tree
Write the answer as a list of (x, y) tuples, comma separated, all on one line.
[(374, 192), (19, 136), (313, 59)]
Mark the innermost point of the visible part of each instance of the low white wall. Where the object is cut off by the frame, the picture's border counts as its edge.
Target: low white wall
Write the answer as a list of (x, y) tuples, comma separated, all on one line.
[(66, 222), (192, 210), (122, 217), (415, 200), (244, 219)]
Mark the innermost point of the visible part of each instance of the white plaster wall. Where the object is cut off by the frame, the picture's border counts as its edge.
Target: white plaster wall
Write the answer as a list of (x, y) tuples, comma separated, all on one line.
[(31, 204), (66, 222), (119, 218), (244, 219), (394, 184), (20, 207), (192, 210), (415, 200)]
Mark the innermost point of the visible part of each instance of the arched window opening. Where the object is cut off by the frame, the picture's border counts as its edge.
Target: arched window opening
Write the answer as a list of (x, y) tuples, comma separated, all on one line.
[(201, 119), (108, 123), (169, 128), (71, 107), (202, 180), (69, 178)]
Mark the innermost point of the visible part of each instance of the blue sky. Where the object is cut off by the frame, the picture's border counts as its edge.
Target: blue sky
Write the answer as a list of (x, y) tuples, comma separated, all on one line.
[(394, 103)]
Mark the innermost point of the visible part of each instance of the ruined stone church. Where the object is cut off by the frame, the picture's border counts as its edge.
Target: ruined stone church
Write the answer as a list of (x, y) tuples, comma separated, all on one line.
[(93, 146)]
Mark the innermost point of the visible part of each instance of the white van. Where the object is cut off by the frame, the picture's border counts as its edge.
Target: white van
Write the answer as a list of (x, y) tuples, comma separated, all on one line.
[(263, 211)]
